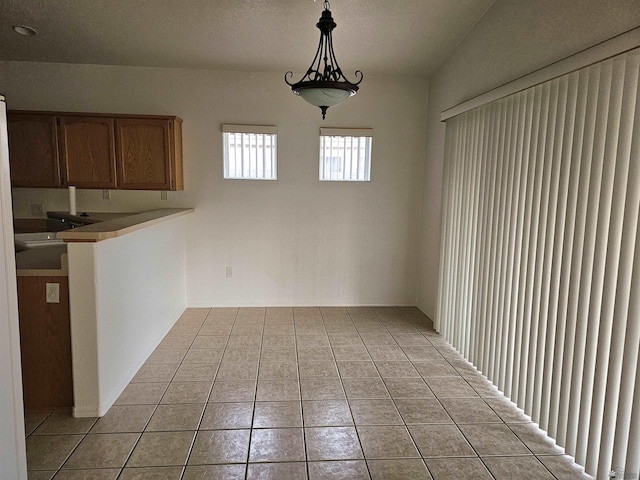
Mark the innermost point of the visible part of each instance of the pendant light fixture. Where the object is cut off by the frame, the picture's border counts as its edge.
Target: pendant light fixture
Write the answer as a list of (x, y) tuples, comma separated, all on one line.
[(324, 85)]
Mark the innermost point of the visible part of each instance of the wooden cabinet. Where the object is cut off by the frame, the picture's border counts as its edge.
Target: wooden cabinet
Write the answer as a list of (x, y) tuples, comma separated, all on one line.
[(45, 344), (33, 144), (149, 153), (92, 150), (88, 151)]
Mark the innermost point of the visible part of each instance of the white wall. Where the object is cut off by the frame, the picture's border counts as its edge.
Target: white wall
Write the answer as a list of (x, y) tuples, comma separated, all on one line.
[(125, 295), (295, 241), (13, 460), (513, 38)]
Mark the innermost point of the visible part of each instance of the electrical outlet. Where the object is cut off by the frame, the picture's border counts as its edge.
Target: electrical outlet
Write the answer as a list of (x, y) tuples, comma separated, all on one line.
[(163, 195), (37, 210), (106, 194), (229, 272), (53, 293)]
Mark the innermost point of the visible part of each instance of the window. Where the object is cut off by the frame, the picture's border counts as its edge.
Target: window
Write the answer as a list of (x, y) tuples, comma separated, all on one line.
[(250, 152), (345, 154)]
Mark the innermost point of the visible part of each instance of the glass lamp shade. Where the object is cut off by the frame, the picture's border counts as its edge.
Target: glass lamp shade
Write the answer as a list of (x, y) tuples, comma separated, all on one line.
[(324, 93), (324, 97)]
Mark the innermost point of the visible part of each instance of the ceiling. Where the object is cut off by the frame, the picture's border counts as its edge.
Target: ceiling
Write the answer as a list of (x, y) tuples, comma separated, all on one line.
[(392, 37)]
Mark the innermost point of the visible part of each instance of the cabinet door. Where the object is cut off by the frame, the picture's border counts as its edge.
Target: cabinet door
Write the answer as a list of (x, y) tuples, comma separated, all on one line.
[(88, 151), (145, 154), (33, 150), (45, 343)]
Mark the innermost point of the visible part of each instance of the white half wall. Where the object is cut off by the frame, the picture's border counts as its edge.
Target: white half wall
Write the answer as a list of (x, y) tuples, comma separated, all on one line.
[(125, 295), (294, 241), (512, 39)]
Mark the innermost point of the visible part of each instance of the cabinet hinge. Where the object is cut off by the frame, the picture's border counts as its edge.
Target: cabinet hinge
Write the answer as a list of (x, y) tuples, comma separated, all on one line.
[(171, 183)]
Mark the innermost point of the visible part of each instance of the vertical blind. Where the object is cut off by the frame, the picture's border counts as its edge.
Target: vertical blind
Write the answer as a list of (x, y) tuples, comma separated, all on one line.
[(540, 266), (250, 152)]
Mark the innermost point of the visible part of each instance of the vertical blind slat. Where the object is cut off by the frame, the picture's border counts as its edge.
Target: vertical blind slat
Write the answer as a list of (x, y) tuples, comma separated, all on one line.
[(503, 241), (492, 213), (514, 241), (564, 227), (583, 262), (527, 273), (624, 218), (627, 337), (597, 224), (522, 240), (555, 221), (537, 252), (610, 222), (573, 241)]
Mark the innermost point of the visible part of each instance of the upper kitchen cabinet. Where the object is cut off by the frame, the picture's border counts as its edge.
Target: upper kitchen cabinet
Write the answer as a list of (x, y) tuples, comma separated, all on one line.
[(95, 150), (33, 148), (88, 151), (149, 153)]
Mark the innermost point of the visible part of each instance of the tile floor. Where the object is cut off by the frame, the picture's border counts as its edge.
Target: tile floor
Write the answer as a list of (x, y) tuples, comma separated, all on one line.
[(300, 393)]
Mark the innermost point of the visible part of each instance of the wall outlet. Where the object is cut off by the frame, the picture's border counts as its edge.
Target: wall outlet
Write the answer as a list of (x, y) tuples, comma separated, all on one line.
[(106, 194), (229, 272), (53, 293), (163, 195), (37, 210)]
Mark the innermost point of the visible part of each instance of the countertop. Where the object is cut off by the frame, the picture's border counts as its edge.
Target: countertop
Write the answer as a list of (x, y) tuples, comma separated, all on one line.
[(121, 225), (90, 217)]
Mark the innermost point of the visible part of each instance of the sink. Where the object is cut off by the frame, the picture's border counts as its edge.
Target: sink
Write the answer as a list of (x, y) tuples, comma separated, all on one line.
[(37, 240)]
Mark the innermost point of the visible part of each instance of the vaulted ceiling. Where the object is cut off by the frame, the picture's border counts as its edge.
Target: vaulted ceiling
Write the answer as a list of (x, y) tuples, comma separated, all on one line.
[(379, 37)]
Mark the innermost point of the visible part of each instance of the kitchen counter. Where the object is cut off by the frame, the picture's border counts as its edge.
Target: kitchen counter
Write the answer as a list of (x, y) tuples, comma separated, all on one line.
[(52, 261), (89, 217), (121, 225), (43, 262)]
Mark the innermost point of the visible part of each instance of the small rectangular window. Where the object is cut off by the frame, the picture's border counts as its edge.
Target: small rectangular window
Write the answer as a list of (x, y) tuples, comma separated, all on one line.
[(345, 154), (250, 152)]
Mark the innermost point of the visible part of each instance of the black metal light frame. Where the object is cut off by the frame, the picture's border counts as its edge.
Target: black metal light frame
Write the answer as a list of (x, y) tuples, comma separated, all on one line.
[(324, 72)]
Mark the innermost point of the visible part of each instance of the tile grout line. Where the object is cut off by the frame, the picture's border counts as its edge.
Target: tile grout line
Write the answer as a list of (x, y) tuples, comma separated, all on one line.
[(344, 390), (206, 403), (255, 394), (304, 431)]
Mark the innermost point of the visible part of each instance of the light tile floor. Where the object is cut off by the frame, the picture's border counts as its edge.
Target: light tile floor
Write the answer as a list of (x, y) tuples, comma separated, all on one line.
[(300, 393)]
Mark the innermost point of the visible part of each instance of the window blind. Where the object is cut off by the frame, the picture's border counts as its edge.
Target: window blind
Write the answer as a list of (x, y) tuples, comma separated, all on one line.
[(345, 154), (250, 151), (540, 266)]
